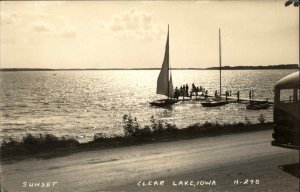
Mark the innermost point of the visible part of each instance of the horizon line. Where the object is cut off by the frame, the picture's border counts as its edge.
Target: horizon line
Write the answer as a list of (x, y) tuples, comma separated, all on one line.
[(278, 66)]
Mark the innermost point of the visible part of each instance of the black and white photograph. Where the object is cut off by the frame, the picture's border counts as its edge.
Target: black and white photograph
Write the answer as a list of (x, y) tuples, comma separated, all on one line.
[(154, 96)]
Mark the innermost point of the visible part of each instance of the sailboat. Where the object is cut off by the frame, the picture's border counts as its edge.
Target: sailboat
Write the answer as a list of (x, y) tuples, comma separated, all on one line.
[(219, 102), (164, 81)]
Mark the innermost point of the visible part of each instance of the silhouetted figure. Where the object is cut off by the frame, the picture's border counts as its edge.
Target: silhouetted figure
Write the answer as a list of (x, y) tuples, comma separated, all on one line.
[(238, 96), (176, 93), (193, 87), (183, 91), (187, 89), (226, 94), (230, 93)]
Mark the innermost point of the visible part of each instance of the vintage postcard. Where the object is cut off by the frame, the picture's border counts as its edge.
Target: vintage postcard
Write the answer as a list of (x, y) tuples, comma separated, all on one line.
[(149, 96)]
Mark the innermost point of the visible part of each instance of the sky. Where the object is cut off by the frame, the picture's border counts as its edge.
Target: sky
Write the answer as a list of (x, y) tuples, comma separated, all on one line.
[(132, 34)]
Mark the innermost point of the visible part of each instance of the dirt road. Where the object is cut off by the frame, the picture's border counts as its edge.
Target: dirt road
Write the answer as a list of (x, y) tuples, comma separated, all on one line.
[(238, 162)]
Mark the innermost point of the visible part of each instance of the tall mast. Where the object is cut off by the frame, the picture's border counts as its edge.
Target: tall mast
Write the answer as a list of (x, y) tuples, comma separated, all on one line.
[(168, 64), (220, 61)]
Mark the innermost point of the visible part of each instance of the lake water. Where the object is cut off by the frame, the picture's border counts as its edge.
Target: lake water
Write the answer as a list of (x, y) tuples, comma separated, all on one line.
[(84, 103)]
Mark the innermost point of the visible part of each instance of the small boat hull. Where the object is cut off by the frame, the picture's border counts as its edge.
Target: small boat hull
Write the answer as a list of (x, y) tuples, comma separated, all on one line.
[(163, 102), (214, 103), (257, 106)]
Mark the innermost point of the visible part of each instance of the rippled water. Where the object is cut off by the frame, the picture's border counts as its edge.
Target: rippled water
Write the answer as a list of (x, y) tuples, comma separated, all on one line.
[(82, 103)]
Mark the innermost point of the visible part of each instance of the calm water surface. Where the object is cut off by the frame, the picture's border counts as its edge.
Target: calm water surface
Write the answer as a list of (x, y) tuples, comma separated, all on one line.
[(83, 103)]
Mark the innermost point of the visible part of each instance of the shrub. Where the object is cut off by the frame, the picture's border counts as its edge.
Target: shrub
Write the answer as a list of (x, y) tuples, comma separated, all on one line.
[(132, 128), (146, 131), (171, 127), (156, 125), (247, 120), (261, 119), (130, 125), (207, 125), (240, 124), (33, 144), (159, 126)]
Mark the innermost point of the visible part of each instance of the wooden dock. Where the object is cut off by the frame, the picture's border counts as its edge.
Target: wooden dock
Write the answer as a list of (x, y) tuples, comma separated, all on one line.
[(200, 96), (247, 100)]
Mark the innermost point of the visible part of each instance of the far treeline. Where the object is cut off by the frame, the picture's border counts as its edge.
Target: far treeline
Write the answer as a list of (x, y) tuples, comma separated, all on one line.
[(283, 66)]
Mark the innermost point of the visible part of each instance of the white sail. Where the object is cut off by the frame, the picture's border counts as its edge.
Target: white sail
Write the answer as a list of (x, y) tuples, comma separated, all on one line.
[(164, 85)]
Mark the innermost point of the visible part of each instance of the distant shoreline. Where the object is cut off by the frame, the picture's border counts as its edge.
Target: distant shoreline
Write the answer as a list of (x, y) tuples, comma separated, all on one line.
[(283, 66)]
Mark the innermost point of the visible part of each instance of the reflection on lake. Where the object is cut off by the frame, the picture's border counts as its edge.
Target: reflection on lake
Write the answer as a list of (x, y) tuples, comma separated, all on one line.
[(81, 103)]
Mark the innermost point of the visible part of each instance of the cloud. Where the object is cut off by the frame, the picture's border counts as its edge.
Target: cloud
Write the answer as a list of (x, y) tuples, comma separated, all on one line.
[(132, 24), (131, 20), (41, 26), (53, 30), (69, 34), (9, 18)]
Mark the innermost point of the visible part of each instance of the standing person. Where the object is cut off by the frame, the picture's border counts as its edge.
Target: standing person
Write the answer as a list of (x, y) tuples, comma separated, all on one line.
[(193, 87), (187, 89), (181, 93), (176, 93), (250, 94), (226, 94), (238, 96)]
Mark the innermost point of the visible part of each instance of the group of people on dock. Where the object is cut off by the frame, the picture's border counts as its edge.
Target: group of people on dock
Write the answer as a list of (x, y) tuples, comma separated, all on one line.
[(228, 94), (184, 91)]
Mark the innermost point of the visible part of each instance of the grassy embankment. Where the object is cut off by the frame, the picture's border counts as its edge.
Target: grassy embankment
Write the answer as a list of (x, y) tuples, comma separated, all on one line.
[(134, 134)]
